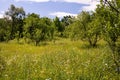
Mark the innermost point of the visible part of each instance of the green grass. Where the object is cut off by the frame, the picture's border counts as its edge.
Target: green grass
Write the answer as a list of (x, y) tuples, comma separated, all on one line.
[(62, 60)]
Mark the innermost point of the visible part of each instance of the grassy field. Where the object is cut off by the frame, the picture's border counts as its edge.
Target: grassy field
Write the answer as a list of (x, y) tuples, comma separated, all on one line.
[(62, 60)]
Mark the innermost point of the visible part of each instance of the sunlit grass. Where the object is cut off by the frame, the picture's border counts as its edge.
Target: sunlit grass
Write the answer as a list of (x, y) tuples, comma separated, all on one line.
[(59, 60)]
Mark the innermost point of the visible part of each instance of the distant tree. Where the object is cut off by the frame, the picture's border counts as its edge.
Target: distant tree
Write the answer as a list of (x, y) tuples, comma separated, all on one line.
[(89, 26), (73, 31), (31, 27), (50, 27), (58, 26), (16, 15), (67, 20), (4, 30), (94, 30), (37, 29)]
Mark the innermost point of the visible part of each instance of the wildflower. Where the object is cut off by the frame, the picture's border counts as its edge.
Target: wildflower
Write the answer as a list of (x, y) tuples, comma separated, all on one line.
[(106, 64), (35, 70), (6, 75), (48, 79)]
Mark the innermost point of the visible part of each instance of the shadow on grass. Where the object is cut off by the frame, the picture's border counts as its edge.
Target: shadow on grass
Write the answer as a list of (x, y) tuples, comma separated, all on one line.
[(87, 46)]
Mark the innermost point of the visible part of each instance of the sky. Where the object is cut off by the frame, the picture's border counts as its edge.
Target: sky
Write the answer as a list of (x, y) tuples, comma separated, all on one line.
[(50, 8)]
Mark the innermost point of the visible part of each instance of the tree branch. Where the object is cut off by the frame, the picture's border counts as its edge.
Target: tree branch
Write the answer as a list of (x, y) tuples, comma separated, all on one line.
[(106, 1)]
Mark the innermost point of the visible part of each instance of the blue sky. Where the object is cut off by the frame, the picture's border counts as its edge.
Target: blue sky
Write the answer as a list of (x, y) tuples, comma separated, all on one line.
[(50, 8)]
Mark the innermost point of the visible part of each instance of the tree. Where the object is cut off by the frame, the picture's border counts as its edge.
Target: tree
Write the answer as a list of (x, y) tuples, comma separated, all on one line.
[(73, 31), (109, 10), (16, 15), (58, 26), (89, 27), (94, 33), (67, 20), (50, 30), (37, 29), (4, 30), (113, 4), (31, 24)]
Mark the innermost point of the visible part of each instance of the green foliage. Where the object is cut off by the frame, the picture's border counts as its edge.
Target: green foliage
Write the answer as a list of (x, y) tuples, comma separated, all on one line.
[(67, 20), (32, 27), (58, 26), (4, 30), (94, 31), (111, 28), (15, 16), (73, 31), (86, 27), (31, 23), (38, 29)]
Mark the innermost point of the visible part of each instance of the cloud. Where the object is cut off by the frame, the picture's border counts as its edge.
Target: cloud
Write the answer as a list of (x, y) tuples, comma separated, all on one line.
[(74, 1), (1, 14), (61, 14), (91, 6), (33, 0), (69, 1)]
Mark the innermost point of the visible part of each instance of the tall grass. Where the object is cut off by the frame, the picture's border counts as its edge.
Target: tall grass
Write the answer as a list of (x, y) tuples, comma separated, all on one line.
[(62, 60)]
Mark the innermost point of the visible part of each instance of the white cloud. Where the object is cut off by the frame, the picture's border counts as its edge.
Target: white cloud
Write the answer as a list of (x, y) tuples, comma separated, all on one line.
[(1, 14), (33, 0), (91, 6), (74, 1), (69, 1), (61, 14)]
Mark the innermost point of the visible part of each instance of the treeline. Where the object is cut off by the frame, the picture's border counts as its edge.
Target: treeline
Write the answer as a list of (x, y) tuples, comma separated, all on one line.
[(16, 24)]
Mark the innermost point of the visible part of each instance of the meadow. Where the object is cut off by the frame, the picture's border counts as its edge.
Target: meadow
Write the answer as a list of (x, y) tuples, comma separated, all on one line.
[(60, 60)]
